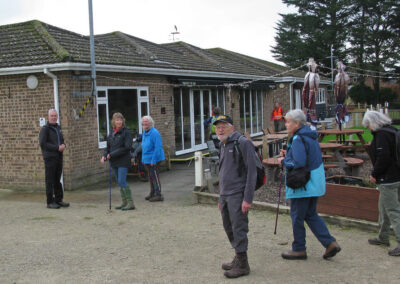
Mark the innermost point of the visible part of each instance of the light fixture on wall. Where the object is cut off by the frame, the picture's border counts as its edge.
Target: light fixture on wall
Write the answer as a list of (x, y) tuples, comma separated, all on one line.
[(281, 85), (32, 82)]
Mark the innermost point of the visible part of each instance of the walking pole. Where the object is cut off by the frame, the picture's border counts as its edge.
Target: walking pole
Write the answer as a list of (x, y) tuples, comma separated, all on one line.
[(279, 199), (109, 185)]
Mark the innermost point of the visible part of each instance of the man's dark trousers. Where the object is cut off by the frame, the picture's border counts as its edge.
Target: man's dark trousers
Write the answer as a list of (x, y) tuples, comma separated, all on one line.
[(53, 171), (236, 224)]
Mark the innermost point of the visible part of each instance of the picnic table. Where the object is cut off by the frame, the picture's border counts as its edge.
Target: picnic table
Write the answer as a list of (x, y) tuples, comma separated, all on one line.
[(270, 144), (347, 143)]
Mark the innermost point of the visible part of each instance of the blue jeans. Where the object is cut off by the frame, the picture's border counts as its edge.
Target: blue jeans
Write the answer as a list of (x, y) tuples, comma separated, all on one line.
[(120, 176), (305, 209)]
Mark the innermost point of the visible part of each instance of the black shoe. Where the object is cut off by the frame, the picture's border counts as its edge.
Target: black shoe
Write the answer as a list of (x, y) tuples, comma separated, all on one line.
[(53, 206), (63, 204), (378, 242), (156, 198)]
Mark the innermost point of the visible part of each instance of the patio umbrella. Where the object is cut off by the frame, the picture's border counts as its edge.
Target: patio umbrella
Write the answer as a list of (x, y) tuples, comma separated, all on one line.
[(342, 81), (310, 90)]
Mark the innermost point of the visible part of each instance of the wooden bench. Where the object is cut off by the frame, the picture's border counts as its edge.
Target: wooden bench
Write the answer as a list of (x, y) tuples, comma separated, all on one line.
[(330, 166), (353, 141), (327, 157), (353, 164)]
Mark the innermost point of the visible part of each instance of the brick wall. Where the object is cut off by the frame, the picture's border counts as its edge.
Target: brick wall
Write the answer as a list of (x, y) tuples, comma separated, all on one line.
[(21, 108)]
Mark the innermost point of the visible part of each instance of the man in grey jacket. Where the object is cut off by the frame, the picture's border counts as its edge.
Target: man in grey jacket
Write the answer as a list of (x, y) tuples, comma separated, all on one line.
[(237, 181)]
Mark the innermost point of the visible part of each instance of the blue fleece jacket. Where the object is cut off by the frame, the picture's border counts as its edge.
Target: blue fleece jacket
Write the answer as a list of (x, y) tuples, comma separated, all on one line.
[(296, 158), (152, 148)]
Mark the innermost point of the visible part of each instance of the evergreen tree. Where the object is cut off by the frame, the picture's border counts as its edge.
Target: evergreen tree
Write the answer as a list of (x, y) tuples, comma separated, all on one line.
[(311, 32)]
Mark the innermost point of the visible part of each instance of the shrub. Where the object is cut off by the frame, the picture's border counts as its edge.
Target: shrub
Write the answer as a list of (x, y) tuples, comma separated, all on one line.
[(361, 93)]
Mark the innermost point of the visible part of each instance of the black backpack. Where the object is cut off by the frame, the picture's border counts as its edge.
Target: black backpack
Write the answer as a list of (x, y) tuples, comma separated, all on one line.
[(396, 134), (261, 178)]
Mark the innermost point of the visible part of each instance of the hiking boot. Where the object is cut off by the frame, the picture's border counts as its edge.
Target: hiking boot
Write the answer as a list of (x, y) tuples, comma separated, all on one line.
[(156, 198), (240, 267), (53, 206), (123, 198), (394, 252), (378, 242), (291, 255), (63, 204), (229, 265), (331, 250), (151, 194), (129, 200)]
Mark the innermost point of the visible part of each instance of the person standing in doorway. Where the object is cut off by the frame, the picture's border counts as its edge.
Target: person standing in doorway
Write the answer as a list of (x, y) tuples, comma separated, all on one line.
[(152, 154), (51, 142), (237, 181), (277, 117), (118, 152)]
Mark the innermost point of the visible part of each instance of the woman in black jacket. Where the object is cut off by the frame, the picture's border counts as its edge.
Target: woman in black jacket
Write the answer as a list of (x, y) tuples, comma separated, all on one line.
[(119, 144), (386, 174)]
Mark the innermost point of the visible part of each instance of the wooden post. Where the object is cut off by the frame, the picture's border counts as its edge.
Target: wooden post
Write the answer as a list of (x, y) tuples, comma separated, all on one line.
[(265, 147)]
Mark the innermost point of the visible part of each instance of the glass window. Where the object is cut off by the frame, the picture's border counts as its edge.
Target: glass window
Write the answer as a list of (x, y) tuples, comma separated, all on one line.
[(221, 99), (251, 111), (320, 99), (178, 119), (143, 93), (102, 124), (101, 94)]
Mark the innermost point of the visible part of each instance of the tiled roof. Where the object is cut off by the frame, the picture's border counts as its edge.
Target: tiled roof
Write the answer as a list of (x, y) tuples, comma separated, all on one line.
[(35, 43)]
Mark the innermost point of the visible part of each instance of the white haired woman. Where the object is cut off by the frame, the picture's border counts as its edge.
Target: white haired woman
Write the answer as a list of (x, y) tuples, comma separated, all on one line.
[(386, 174), (152, 153), (303, 150)]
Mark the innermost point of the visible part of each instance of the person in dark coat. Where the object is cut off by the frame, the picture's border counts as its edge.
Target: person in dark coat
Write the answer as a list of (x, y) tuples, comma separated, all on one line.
[(51, 142), (386, 175), (237, 181), (118, 153)]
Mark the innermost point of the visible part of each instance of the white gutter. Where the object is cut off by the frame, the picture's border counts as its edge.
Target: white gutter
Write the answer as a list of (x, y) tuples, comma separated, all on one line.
[(55, 87), (128, 69), (56, 107)]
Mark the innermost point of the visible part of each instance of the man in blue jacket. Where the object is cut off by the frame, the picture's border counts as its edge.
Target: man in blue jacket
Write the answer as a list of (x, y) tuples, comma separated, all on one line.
[(152, 153), (237, 183)]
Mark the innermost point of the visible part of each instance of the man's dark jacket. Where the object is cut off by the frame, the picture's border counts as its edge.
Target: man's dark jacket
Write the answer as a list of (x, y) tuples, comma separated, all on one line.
[(119, 146), (50, 138), (230, 182), (383, 157)]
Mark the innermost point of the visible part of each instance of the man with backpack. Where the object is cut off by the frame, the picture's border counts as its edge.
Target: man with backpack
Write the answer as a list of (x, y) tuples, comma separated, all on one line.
[(237, 182), (385, 157)]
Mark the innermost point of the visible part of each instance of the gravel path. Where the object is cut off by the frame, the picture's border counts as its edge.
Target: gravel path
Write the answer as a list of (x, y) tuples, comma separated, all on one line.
[(170, 242)]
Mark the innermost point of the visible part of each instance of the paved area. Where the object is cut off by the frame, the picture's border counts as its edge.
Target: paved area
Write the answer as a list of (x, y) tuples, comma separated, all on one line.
[(175, 241)]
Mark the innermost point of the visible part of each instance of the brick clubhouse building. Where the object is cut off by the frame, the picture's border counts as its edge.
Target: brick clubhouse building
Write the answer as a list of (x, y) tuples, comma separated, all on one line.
[(178, 84)]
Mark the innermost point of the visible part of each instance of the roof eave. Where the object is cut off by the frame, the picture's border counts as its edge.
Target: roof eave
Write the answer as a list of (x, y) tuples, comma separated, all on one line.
[(69, 66)]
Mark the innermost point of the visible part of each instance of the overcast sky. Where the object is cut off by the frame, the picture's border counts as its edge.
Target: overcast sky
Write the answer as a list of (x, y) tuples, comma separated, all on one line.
[(244, 26)]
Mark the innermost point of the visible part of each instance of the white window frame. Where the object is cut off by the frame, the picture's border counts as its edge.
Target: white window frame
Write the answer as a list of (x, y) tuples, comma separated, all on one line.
[(104, 101), (321, 96), (256, 94)]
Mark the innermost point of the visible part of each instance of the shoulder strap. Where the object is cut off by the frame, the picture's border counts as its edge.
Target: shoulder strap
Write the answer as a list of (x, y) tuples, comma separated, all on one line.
[(236, 143), (305, 147)]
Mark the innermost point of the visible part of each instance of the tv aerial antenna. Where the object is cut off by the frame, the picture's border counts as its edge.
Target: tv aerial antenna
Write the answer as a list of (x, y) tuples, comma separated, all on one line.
[(175, 33)]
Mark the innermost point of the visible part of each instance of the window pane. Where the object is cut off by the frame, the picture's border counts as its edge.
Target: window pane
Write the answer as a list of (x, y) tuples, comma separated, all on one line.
[(247, 110), (242, 113), (206, 112), (221, 100), (143, 108), (102, 117), (178, 119), (260, 125), (197, 117), (214, 98), (187, 133), (143, 93), (101, 94), (254, 108), (125, 102)]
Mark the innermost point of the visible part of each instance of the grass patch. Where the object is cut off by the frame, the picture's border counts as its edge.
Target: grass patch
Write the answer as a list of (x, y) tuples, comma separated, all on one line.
[(43, 218), (367, 136), (87, 218)]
